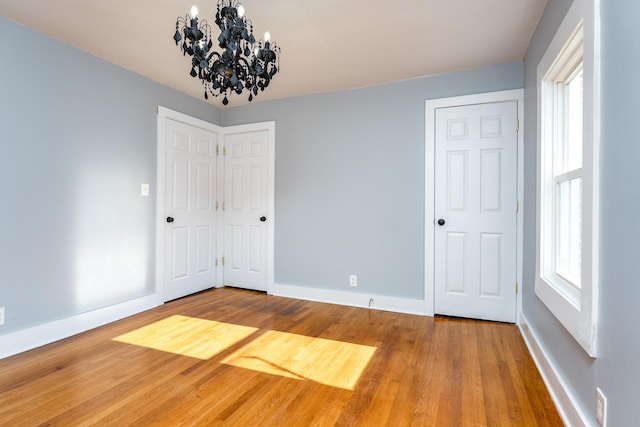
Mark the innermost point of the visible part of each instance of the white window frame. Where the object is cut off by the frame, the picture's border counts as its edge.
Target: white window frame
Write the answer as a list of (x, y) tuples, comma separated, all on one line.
[(575, 307)]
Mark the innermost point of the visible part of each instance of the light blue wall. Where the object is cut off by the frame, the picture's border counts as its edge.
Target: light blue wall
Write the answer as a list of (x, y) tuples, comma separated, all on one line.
[(616, 370), (350, 180), (78, 139)]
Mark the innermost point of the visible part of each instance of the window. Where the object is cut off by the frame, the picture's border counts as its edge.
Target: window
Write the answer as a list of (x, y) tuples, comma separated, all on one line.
[(568, 122)]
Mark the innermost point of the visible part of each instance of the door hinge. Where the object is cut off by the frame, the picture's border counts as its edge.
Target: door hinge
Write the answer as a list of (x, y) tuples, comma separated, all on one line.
[(216, 262), (516, 288), (217, 205), (224, 151), (517, 206), (223, 261), (517, 125), (223, 206), (217, 150)]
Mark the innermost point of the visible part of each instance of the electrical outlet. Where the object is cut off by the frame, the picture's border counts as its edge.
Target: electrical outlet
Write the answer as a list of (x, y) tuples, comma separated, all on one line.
[(353, 280), (1, 315), (601, 407)]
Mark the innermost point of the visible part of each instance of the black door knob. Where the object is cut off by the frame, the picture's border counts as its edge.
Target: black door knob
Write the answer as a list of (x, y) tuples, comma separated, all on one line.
[(441, 221), (170, 220), (263, 218)]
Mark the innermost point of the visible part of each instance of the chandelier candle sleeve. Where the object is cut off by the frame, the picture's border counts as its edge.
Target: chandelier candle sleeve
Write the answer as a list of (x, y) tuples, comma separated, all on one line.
[(242, 63)]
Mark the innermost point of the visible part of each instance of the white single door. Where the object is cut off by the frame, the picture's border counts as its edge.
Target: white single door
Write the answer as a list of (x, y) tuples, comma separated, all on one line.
[(475, 211), (190, 196), (246, 210)]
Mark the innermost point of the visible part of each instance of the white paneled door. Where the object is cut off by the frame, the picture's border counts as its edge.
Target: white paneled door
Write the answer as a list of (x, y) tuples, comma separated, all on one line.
[(476, 211), (190, 197), (246, 208)]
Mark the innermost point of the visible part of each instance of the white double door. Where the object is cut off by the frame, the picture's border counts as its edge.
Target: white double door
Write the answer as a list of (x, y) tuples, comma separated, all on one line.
[(216, 208), (475, 211)]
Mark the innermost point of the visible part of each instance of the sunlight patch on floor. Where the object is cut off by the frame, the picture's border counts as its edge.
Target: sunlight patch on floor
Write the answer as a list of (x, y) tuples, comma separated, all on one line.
[(334, 363), (187, 336)]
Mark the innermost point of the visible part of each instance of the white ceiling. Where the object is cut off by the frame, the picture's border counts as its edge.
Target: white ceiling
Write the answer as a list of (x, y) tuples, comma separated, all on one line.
[(326, 45)]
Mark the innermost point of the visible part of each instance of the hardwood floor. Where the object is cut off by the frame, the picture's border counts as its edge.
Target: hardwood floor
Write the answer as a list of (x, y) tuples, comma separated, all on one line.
[(230, 357)]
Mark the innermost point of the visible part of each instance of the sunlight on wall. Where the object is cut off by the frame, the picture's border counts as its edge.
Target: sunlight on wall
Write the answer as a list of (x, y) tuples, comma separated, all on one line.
[(187, 336), (334, 363), (110, 271), (110, 240)]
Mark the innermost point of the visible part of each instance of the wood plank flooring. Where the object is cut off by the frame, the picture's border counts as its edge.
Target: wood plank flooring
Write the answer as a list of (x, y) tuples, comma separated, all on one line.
[(259, 360)]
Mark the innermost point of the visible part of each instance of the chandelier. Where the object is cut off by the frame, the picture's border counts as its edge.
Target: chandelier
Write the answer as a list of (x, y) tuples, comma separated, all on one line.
[(243, 63)]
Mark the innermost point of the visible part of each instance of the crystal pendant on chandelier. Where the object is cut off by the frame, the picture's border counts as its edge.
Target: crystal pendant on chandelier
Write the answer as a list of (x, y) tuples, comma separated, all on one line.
[(242, 63)]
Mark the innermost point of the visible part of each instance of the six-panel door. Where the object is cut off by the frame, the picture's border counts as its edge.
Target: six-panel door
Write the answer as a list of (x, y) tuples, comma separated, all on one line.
[(190, 197), (475, 201), (245, 210)]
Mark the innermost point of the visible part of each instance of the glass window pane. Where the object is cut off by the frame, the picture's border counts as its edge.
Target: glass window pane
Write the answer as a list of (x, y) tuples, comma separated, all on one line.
[(573, 122), (568, 237)]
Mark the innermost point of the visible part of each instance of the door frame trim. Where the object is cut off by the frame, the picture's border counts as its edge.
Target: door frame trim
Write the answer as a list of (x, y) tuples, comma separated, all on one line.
[(431, 105), (165, 114)]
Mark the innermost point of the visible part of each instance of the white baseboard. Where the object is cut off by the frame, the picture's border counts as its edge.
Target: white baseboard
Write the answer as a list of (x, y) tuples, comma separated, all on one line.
[(569, 411), (27, 339), (377, 302)]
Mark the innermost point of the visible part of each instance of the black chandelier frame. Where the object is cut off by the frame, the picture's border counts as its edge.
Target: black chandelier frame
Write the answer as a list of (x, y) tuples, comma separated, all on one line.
[(242, 64)]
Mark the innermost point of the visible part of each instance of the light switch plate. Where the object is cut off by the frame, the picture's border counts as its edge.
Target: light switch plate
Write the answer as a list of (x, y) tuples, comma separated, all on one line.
[(144, 189)]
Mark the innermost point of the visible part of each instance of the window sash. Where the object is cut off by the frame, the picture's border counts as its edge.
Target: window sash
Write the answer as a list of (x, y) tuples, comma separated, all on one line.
[(568, 227)]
